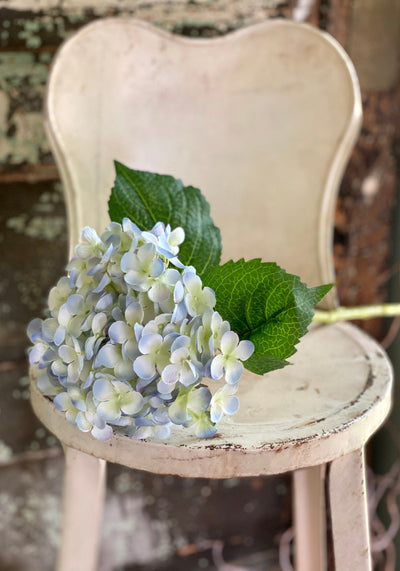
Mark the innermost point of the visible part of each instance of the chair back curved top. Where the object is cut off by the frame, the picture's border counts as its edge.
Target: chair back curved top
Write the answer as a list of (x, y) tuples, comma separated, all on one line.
[(262, 121)]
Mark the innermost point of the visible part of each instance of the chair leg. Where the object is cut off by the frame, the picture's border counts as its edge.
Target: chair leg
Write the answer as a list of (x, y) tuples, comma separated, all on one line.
[(83, 498), (349, 511), (309, 518)]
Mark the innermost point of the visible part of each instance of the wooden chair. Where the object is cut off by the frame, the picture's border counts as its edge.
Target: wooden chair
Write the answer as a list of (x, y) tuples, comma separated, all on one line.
[(263, 121)]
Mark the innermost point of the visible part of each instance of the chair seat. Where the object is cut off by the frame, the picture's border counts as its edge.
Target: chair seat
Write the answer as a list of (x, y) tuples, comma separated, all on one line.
[(328, 403)]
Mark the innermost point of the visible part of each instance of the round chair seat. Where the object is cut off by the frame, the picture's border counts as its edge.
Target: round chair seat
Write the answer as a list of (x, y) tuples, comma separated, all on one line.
[(328, 402)]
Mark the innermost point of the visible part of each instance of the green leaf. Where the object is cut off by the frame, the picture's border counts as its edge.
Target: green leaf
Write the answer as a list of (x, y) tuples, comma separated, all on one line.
[(147, 198), (265, 304)]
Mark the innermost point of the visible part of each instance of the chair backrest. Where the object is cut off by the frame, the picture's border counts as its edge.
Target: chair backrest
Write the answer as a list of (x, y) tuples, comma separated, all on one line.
[(261, 120)]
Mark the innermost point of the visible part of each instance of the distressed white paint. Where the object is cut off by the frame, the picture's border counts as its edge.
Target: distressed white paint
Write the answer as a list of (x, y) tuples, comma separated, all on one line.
[(309, 518), (349, 510), (85, 478), (263, 121), (306, 414)]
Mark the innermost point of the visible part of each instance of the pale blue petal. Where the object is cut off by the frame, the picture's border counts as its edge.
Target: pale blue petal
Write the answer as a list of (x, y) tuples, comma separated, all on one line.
[(74, 304), (180, 312), (134, 404), (128, 261), (102, 434), (73, 372), (216, 413), (164, 390), (103, 390), (99, 322), (199, 399), (130, 350), (172, 277), (121, 387), (124, 370), (58, 368), (177, 411), (183, 341), (59, 335), (171, 374), (37, 352), (34, 329), (130, 227), (109, 411), (191, 280), (179, 292), (159, 292), (230, 405), (209, 297), (108, 356), (105, 280), (245, 350), (135, 279), (143, 432), (177, 263), (89, 380), (156, 268), (71, 415), (146, 254), (138, 328), (45, 386), (150, 238), (233, 372), (64, 315), (150, 343), (229, 342), (49, 328), (67, 353), (89, 347), (144, 367), (82, 422), (204, 428), (90, 236), (163, 432), (62, 401), (119, 332), (105, 302), (134, 313), (187, 377), (107, 255), (217, 367)]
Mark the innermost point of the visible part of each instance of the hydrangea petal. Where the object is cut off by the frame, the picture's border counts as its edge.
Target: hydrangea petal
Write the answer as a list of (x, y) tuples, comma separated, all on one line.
[(119, 332), (199, 399), (144, 367), (229, 342), (245, 350), (102, 434), (109, 411), (102, 390), (133, 403), (233, 372), (217, 367)]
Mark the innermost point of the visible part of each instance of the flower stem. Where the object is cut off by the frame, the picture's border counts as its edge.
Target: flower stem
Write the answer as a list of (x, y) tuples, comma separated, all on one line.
[(359, 312)]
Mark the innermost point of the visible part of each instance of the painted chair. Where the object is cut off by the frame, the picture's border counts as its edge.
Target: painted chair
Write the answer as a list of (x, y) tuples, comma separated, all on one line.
[(263, 121)]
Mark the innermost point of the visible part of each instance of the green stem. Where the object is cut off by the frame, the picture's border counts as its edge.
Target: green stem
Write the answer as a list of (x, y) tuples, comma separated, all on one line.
[(360, 312)]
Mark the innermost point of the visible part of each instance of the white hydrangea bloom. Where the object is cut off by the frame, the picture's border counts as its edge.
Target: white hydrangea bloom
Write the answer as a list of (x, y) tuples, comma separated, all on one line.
[(130, 334)]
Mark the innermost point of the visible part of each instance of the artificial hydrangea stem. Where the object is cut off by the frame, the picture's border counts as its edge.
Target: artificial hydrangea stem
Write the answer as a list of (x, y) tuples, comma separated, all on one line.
[(359, 312)]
